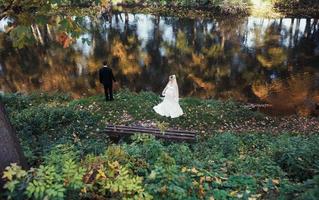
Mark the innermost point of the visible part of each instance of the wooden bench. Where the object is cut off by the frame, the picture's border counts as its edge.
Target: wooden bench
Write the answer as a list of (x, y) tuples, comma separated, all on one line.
[(170, 134)]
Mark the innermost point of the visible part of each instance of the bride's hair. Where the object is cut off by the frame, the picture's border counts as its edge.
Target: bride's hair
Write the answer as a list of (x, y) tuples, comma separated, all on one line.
[(172, 77), (173, 82)]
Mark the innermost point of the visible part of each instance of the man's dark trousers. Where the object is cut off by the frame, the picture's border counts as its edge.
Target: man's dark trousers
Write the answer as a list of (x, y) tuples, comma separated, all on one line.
[(108, 90)]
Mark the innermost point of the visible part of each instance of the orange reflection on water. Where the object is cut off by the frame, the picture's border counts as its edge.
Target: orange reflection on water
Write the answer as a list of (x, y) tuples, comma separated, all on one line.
[(296, 93)]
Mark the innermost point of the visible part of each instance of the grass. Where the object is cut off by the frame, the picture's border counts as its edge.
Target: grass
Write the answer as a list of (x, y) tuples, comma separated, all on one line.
[(241, 153)]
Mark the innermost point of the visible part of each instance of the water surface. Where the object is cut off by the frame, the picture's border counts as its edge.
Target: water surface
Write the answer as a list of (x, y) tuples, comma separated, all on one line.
[(252, 60)]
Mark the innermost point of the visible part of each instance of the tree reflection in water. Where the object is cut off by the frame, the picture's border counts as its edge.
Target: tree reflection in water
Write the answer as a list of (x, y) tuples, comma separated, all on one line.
[(249, 59)]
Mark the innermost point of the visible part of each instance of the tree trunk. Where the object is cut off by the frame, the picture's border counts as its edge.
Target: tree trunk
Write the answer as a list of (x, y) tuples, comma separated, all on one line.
[(10, 149)]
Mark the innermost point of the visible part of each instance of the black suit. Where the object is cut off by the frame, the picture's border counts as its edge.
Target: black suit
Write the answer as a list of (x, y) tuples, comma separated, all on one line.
[(107, 78)]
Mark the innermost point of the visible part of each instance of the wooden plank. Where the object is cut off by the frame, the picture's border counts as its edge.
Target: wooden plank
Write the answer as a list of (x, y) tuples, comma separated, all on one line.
[(147, 131), (168, 130), (148, 128), (176, 135), (164, 137), (156, 135), (152, 130)]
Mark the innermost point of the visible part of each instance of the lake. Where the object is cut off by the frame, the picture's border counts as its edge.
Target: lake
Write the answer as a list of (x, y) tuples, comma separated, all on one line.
[(273, 62)]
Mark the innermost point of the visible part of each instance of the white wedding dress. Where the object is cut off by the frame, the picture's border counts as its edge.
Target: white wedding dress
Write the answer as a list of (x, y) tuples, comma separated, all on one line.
[(170, 107)]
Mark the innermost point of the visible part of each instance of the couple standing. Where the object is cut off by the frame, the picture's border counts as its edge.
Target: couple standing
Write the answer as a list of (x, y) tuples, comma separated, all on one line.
[(169, 107)]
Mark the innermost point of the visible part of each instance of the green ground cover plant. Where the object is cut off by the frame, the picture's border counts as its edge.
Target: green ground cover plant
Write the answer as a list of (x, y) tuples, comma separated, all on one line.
[(72, 159)]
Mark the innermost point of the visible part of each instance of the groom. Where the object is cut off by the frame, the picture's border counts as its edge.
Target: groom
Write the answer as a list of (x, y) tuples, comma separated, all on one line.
[(107, 78)]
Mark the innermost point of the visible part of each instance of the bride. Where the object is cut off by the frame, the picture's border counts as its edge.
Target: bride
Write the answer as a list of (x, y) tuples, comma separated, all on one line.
[(170, 107)]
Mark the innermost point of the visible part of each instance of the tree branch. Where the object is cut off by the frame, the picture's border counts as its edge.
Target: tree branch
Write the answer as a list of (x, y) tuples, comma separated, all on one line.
[(5, 11)]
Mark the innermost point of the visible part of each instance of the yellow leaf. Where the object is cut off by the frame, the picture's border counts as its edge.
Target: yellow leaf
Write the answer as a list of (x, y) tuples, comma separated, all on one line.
[(152, 175), (209, 179), (184, 169), (202, 179), (195, 183), (100, 174), (194, 170), (233, 193), (8, 175), (275, 181), (218, 180), (84, 190)]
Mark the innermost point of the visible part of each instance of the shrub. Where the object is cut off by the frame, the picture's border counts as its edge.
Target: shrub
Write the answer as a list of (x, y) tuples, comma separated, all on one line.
[(46, 181), (296, 3), (112, 180), (311, 189), (181, 153), (297, 155), (18, 101), (168, 183), (65, 178), (73, 160), (147, 148), (41, 127), (226, 145)]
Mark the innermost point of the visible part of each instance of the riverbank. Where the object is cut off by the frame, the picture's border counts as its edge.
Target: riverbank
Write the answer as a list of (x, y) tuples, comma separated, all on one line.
[(239, 152), (264, 9), (190, 9), (230, 9), (45, 114), (181, 11), (207, 116)]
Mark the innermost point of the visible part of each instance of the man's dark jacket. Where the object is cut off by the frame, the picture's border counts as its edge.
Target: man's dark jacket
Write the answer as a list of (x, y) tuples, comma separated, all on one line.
[(106, 76)]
